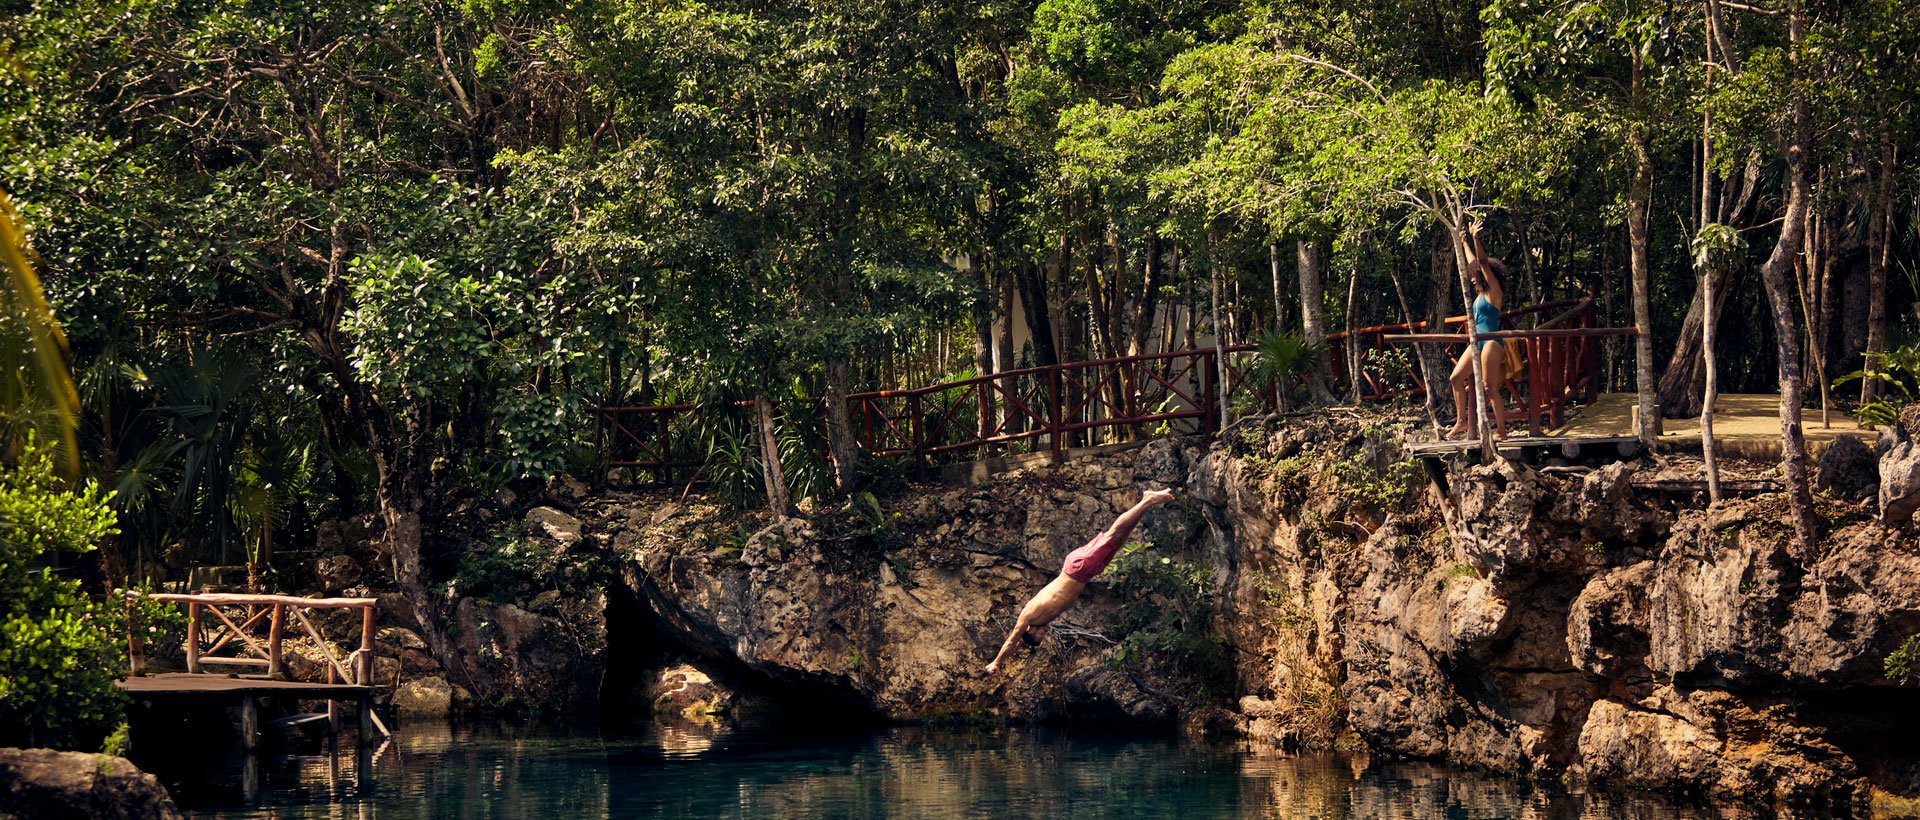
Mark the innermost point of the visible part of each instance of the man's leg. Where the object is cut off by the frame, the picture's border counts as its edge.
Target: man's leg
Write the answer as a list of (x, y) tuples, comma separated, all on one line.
[(1123, 526)]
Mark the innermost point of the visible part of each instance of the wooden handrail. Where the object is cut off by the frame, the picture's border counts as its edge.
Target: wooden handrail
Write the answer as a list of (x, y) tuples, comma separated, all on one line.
[(237, 598), (1061, 399), (278, 606)]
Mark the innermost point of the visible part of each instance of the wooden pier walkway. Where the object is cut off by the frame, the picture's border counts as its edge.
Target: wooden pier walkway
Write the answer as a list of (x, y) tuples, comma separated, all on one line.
[(235, 621)]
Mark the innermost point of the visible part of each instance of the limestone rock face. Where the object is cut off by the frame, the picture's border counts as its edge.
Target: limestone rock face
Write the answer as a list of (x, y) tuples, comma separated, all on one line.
[(425, 697), (548, 522), (525, 660), (336, 572), (1555, 624), (1900, 481), (1643, 748), (43, 783), (1848, 469)]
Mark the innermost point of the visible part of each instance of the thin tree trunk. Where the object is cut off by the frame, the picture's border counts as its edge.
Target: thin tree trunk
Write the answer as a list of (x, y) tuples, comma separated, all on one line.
[(1352, 350), (1774, 274), (1436, 368), (1879, 240), (1312, 257), (772, 475), (1009, 358), (1219, 344), (982, 331), (1639, 199), (1279, 308), (1709, 295)]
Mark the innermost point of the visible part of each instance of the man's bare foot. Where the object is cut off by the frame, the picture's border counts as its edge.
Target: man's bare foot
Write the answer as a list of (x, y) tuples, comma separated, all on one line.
[(1156, 497), (993, 668)]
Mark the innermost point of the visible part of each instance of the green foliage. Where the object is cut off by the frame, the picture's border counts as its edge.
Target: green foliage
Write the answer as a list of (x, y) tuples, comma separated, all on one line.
[(1903, 665), (1897, 370), (59, 651), (1165, 618), (1284, 359)]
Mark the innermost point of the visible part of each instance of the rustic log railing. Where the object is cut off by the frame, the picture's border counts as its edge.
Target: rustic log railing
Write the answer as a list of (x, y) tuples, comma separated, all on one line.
[(242, 616), (1561, 358), (1056, 407)]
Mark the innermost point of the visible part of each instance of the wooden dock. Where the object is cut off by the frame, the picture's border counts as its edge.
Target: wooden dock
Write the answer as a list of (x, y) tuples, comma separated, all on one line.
[(179, 690), (235, 620), (1745, 426)]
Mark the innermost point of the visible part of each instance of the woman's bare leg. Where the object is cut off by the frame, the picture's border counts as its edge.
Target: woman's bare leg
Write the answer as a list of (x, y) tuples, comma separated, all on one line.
[(1493, 363), (1462, 383)]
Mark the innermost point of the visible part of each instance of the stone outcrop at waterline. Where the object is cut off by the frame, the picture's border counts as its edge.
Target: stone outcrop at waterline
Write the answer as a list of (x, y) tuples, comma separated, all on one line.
[(1566, 624)]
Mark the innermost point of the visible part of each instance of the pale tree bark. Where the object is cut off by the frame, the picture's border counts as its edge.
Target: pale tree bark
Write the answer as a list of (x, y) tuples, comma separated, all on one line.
[(1279, 307), (772, 475), (982, 331), (1639, 199), (1352, 350), (1435, 369), (1774, 274), (1312, 257), (1708, 295)]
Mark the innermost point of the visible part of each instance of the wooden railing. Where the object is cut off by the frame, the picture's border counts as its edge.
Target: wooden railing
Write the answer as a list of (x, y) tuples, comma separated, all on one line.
[(1056, 407), (1561, 358), (237, 621)]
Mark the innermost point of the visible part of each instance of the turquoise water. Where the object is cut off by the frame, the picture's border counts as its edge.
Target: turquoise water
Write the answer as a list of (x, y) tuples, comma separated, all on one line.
[(696, 771)]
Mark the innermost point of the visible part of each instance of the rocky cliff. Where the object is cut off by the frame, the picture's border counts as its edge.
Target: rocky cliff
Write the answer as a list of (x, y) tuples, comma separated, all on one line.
[(1313, 587)]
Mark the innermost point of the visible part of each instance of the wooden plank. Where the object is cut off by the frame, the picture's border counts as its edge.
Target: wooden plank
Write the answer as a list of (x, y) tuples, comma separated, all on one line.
[(181, 684), (236, 598)]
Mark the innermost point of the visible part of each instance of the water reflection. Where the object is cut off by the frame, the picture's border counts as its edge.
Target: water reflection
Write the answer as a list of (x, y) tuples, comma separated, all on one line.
[(705, 770)]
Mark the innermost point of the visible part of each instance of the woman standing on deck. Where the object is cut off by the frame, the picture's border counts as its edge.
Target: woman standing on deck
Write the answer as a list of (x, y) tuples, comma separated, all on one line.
[(1488, 276)]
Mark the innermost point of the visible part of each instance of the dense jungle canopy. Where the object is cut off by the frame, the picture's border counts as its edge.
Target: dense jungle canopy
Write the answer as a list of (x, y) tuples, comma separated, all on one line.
[(319, 258)]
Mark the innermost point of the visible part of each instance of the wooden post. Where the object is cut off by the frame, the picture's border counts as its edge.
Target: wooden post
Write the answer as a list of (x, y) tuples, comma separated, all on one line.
[(364, 669), (333, 706), (1056, 437), (273, 640), (1208, 394), (250, 723), (136, 647), (193, 637), (364, 719), (916, 435), (664, 453)]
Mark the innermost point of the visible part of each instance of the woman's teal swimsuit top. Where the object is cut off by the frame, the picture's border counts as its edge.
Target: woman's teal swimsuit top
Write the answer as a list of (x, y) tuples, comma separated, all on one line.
[(1486, 318)]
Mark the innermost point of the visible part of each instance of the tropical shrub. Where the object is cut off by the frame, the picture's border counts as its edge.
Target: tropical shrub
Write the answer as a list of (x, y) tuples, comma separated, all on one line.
[(59, 651)]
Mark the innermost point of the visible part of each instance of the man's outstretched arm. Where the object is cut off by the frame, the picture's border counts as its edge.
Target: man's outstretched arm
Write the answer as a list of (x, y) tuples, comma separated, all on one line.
[(1012, 642)]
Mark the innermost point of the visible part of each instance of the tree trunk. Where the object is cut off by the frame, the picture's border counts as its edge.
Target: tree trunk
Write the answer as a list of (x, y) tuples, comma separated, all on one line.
[(1774, 274), (982, 332), (1639, 199), (1222, 388), (772, 475), (1312, 257), (1009, 357), (1879, 240), (1436, 369), (1279, 307), (840, 439), (1352, 351), (1033, 298)]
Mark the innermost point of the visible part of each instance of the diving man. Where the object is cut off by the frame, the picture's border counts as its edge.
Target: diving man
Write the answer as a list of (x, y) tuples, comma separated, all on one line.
[(1080, 568)]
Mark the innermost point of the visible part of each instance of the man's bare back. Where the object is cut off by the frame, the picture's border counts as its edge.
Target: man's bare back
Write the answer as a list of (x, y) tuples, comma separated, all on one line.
[(1080, 568)]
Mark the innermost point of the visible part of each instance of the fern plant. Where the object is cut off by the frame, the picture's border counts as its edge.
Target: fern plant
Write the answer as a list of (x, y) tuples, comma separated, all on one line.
[(1899, 371), (1281, 361)]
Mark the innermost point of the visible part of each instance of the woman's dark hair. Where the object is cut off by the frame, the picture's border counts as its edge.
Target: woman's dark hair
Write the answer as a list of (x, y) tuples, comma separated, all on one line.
[(1487, 268)]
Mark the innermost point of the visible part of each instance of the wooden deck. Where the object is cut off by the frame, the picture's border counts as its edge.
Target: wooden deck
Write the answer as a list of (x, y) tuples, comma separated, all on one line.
[(1745, 426), (175, 684)]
